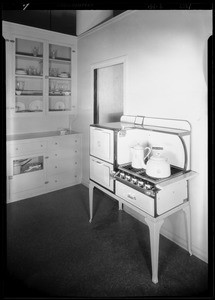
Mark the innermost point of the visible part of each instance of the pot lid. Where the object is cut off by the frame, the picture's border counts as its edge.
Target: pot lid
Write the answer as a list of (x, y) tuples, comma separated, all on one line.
[(157, 158)]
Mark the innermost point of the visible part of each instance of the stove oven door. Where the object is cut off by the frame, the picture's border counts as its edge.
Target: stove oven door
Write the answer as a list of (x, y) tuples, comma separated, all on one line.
[(102, 143), (100, 172)]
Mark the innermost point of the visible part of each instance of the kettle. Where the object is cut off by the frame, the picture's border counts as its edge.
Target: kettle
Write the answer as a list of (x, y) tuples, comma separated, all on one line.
[(138, 156), (157, 166)]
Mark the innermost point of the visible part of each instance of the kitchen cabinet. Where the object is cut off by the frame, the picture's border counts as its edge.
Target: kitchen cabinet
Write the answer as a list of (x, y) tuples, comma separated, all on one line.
[(40, 71), (42, 162), (63, 161)]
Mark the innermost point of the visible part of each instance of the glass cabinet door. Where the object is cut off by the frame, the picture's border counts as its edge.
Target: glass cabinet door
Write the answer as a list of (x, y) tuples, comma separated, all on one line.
[(60, 69), (29, 83)]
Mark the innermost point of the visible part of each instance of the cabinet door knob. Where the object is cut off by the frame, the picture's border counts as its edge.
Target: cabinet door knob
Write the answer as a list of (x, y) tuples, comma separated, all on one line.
[(55, 167)]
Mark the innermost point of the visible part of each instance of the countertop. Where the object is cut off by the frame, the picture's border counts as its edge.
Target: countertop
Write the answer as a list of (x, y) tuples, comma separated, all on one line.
[(35, 135)]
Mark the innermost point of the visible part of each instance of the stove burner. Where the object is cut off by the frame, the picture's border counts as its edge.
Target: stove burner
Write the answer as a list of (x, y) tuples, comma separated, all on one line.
[(141, 173)]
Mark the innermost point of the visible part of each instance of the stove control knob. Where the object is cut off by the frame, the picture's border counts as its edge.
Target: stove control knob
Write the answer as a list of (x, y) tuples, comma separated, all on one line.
[(148, 186), (122, 175), (134, 180), (128, 177), (140, 183)]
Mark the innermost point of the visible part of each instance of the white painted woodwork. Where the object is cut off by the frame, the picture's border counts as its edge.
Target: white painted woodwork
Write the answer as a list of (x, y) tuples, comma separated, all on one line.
[(61, 157), (21, 38)]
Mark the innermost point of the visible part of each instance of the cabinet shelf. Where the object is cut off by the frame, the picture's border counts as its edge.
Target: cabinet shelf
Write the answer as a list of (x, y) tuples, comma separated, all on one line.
[(63, 94), (59, 78), (32, 71), (28, 55), (60, 60), (28, 110), (30, 76), (63, 109), (30, 93)]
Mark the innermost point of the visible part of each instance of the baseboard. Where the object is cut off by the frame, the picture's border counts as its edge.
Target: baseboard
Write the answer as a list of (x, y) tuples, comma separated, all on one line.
[(172, 237)]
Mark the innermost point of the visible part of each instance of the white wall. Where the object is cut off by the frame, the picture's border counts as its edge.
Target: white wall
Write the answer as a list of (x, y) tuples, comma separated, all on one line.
[(165, 77), (86, 19)]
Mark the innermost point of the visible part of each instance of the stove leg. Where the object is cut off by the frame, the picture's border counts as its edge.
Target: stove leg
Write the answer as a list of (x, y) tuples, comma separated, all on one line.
[(186, 211), (91, 188), (154, 230), (120, 205)]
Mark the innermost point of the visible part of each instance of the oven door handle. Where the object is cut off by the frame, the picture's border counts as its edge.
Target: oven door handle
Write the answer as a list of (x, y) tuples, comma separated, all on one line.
[(98, 162)]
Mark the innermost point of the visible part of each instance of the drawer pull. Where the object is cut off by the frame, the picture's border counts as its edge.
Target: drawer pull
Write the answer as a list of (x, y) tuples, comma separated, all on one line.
[(17, 148), (55, 154), (10, 177), (55, 180), (76, 163), (55, 167), (41, 145), (46, 157), (56, 143), (131, 197)]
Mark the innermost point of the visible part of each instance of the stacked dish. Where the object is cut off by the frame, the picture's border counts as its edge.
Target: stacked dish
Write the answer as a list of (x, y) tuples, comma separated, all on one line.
[(63, 75), (21, 72)]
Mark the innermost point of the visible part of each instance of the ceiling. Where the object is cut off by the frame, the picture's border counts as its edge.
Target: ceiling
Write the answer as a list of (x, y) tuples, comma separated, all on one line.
[(63, 21)]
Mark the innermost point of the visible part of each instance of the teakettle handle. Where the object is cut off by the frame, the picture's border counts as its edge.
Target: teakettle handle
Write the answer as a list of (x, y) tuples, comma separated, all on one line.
[(150, 150)]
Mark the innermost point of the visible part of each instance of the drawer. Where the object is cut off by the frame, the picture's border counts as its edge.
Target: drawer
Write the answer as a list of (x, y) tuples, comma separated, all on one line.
[(100, 172), (135, 198), (64, 142), (17, 149), (62, 166), (27, 181), (63, 179), (65, 153)]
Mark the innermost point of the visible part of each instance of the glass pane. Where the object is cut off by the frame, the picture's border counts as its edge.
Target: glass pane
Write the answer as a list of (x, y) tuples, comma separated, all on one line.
[(21, 166), (28, 76), (59, 78)]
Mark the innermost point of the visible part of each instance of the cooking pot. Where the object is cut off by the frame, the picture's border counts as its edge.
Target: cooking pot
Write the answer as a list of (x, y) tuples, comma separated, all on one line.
[(157, 166), (138, 156)]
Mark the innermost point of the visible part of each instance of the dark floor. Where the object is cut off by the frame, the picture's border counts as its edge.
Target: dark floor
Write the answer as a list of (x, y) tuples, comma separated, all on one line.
[(53, 251)]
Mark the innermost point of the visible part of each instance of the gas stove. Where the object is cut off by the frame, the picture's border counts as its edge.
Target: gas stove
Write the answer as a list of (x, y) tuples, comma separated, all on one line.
[(139, 180)]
